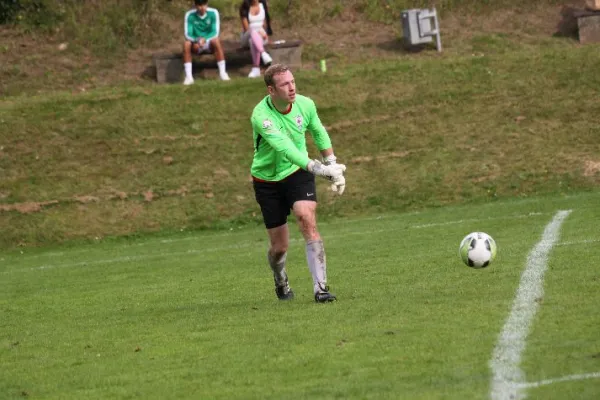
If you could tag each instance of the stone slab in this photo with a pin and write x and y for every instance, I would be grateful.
(169, 66)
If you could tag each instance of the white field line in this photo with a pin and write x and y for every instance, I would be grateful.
(248, 244)
(181, 253)
(462, 221)
(232, 233)
(570, 243)
(568, 378)
(145, 256)
(229, 233)
(507, 377)
(200, 236)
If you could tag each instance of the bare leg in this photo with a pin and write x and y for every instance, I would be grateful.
(217, 48)
(306, 215)
(187, 52)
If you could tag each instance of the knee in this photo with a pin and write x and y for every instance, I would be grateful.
(278, 252)
(256, 39)
(306, 219)
(279, 246)
(308, 227)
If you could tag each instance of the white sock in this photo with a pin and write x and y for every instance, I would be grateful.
(221, 65)
(256, 70)
(315, 256)
(278, 268)
(188, 69)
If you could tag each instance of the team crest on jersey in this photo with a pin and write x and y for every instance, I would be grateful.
(267, 124)
(299, 121)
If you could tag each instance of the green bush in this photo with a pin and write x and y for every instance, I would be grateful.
(9, 10)
(32, 15)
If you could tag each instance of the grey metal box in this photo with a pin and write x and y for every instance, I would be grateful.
(410, 27)
(419, 26)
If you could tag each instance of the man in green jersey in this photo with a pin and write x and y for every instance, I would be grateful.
(284, 176)
(201, 29)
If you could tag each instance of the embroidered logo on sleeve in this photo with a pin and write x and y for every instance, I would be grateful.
(267, 124)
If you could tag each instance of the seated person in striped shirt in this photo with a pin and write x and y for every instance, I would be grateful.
(256, 28)
(202, 35)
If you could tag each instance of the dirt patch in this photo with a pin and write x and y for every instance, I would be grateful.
(354, 123)
(591, 168)
(27, 207)
(147, 195)
(87, 199)
(393, 154)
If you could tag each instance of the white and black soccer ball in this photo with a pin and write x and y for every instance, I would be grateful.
(477, 249)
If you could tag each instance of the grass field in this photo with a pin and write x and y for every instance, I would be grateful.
(132, 254)
(414, 133)
(193, 315)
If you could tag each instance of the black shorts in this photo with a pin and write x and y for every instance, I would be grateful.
(276, 199)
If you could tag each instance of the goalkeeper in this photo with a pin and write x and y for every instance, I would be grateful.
(284, 176)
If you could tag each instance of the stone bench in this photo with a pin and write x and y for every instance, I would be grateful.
(588, 23)
(169, 66)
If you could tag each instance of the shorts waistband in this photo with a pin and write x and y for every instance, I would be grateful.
(255, 179)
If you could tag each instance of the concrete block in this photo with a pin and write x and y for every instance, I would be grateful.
(169, 68)
(288, 53)
(589, 28)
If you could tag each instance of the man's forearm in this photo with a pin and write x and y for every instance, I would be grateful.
(327, 152)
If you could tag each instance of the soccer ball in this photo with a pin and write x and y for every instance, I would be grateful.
(477, 250)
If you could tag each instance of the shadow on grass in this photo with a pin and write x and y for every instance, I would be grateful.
(567, 26)
(398, 46)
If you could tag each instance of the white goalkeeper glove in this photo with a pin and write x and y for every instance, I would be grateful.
(333, 172)
(330, 159)
(339, 184)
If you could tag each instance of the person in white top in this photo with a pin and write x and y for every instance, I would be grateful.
(256, 28)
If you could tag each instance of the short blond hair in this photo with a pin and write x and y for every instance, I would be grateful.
(273, 70)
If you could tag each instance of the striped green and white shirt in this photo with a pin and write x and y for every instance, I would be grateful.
(198, 26)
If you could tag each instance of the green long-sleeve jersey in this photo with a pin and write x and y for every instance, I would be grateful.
(205, 26)
(279, 138)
